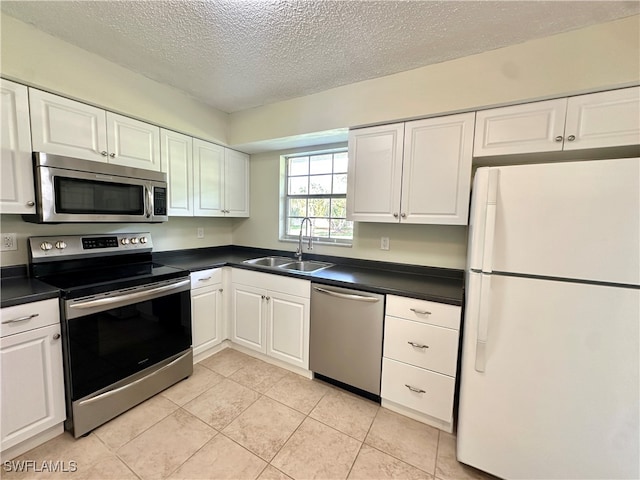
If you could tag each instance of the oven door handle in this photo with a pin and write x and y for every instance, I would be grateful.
(121, 300)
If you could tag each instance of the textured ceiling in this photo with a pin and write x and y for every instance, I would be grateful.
(241, 54)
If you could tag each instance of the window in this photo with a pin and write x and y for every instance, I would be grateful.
(316, 187)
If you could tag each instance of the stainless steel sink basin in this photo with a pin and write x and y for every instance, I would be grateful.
(286, 263)
(308, 266)
(269, 261)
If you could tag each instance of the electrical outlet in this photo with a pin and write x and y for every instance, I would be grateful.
(9, 242)
(384, 243)
(200, 232)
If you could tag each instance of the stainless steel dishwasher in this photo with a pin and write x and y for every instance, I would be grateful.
(346, 336)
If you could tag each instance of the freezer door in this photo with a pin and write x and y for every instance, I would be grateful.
(577, 220)
(558, 393)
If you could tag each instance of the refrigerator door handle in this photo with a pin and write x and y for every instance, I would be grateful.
(484, 312)
(490, 220)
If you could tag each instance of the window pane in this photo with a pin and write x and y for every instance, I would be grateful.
(341, 229)
(338, 208)
(340, 162)
(298, 185)
(319, 207)
(321, 227)
(293, 226)
(298, 166)
(297, 207)
(321, 164)
(340, 183)
(320, 184)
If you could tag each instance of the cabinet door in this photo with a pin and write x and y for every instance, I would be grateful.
(64, 127)
(208, 179)
(248, 316)
(436, 174)
(17, 193)
(133, 143)
(236, 183)
(32, 391)
(528, 128)
(375, 172)
(288, 329)
(176, 155)
(206, 317)
(604, 119)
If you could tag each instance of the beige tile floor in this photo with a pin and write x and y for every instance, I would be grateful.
(237, 417)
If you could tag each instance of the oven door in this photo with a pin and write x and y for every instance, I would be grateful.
(115, 335)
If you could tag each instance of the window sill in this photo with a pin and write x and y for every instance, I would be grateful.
(329, 243)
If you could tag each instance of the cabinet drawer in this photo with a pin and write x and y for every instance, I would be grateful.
(28, 316)
(435, 348)
(204, 278)
(424, 311)
(431, 393)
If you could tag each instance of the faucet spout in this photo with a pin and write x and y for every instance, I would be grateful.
(298, 254)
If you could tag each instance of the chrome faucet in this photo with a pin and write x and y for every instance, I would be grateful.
(298, 254)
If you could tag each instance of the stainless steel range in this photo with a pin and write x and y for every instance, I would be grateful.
(126, 321)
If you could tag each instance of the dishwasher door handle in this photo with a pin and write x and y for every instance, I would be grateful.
(348, 296)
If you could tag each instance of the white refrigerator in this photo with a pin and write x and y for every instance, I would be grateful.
(550, 358)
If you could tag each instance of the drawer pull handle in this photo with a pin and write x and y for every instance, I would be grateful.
(420, 312)
(418, 345)
(204, 279)
(414, 389)
(22, 319)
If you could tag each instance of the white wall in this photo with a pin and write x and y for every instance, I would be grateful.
(594, 58)
(175, 234)
(40, 60)
(435, 245)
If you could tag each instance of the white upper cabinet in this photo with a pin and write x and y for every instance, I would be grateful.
(374, 179)
(65, 127)
(413, 172)
(133, 143)
(605, 119)
(436, 174)
(17, 193)
(597, 120)
(177, 162)
(236, 193)
(221, 181)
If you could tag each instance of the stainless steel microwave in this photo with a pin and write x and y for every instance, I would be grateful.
(70, 190)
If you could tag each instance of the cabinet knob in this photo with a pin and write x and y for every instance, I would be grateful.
(112, 155)
(558, 138)
(571, 138)
(221, 290)
(403, 215)
(56, 336)
(30, 203)
(104, 153)
(395, 214)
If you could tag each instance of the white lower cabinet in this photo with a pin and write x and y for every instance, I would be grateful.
(420, 359)
(207, 310)
(270, 314)
(32, 383)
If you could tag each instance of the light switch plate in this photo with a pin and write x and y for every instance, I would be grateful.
(200, 232)
(384, 243)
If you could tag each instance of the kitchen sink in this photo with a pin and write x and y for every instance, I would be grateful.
(308, 266)
(269, 261)
(285, 263)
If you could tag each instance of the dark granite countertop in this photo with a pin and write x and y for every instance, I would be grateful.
(19, 290)
(427, 283)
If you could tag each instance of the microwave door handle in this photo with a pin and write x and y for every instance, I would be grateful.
(149, 202)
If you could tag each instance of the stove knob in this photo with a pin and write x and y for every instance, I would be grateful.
(143, 239)
(46, 246)
(61, 245)
(134, 240)
(124, 241)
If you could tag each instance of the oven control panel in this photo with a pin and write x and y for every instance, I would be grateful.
(48, 248)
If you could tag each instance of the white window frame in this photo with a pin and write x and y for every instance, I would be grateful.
(284, 212)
